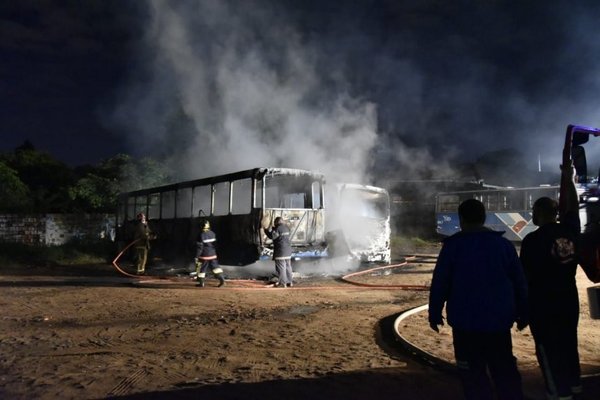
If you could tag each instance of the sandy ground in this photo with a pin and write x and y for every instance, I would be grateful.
(87, 333)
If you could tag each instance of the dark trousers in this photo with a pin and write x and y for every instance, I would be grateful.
(478, 353)
(210, 264)
(554, 330)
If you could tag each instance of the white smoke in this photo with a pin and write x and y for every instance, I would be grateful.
(227, 86)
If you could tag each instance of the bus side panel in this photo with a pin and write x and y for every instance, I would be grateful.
(172, 240)
(447, 223)
(238, 239)
(515, 225)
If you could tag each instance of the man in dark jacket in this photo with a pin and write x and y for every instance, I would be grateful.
(549, 259)
(480, 279)
(206, 256)
(282, 252)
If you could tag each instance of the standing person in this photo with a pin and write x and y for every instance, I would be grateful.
(206, 255)
(282, 252)
(142, 235)
(549, 258)
(480, 279)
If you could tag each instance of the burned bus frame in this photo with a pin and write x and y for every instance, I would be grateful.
(237, 205)
(358, 223)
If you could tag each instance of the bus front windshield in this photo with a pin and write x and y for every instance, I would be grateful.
(366, 204)
(288, 191)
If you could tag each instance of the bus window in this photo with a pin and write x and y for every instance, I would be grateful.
(511, 200)
(140, 205)
(294, 200)
(121, 211)
(286, 192)
(221, 198)
(490, 201)
(258, 200)
(380, 205)
(201, 199)
(316, 195)
(272, 196)
(364, 204)
(154, 206)
(184, 203)
(167, 205)
(242, 196)
(131, 211)
(448, 202)
(530, 200)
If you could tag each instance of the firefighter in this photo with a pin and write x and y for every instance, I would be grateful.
(282, 252)
(142, 235)
(206, 256)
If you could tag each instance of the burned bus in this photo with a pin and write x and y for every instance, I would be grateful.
(237, 205)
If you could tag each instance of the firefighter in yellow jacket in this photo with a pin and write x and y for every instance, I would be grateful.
(206, 255)
(142, 236)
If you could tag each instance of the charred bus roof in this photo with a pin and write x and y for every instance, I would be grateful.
(255, 173)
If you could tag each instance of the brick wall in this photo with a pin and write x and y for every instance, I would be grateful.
(55, 229)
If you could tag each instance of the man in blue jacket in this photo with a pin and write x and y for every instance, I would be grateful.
(479, 277)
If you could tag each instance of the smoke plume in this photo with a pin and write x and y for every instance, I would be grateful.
(360, 89)
(227, 86)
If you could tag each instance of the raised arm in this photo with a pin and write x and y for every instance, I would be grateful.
(571, 199)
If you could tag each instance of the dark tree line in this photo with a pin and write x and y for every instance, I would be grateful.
(32, 181)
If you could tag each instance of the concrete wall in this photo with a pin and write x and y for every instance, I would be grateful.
(55, 229)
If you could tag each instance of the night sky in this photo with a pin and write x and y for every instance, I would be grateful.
(406, 82)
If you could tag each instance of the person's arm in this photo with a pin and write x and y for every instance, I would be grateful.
(199, 246)
(440, 288)
(276, 233)
(520, 287)
(525, 257)
(269, 232)
(571, 199)
(273, 233)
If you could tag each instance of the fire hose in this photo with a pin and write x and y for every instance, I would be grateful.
(252, 284)
(114, 262)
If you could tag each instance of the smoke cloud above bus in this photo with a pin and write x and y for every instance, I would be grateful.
(228, 86)
(347, 88)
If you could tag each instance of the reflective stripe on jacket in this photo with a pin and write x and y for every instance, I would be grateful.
(282, 247)
(205, 245)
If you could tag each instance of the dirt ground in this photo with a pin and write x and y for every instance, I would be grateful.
(87, 332)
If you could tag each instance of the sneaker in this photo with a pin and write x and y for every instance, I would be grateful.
(290, 285)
